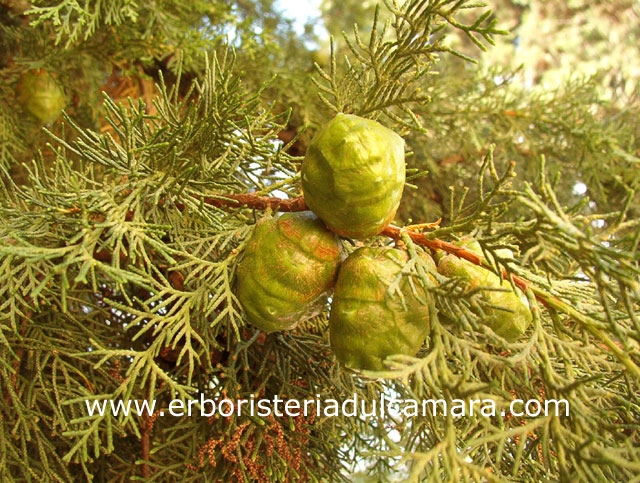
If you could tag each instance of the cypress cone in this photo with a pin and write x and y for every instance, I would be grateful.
(290, 262)
(41, 95)
(368, 323)
(510, 323)
(353, 175)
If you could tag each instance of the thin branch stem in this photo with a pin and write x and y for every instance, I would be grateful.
(254, 201)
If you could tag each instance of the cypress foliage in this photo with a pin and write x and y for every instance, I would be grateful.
(122, 224)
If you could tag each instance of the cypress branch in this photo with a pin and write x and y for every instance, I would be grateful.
(297, 204)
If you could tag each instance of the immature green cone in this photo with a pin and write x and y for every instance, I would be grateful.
(353, 175)
(367, 323)
(289, 264)
(510, 325)
(452, 266)
(41, 95)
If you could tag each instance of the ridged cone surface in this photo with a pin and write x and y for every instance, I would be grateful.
(367, 323)
(288, 266)
(353, 175)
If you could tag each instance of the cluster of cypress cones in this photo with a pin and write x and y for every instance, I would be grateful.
(353, 176)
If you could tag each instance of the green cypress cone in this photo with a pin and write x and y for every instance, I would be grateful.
(41, 95)
(367, 323)
(510, 323)
(289, 264)
(353, 175)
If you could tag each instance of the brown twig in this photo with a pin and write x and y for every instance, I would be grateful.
(253, 201)
(146, 445)
(298, 204)
(145, 442)
(421, 239)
